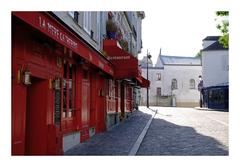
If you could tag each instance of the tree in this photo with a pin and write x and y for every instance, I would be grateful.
(223, 27)
(199, 54)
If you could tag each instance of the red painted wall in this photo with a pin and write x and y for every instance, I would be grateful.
(33, 130)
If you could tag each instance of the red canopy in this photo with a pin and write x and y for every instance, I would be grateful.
(125, 64)
(145, 83)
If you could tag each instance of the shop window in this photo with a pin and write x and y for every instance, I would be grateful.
(111, 86)
(174, 84)
(192, 84)
(68, 89)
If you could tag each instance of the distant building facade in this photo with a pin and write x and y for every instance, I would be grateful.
(174, 81)
(215, 69)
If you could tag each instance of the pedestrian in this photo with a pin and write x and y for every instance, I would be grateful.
(200, 89)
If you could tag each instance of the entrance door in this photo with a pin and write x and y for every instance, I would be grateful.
(36, 128)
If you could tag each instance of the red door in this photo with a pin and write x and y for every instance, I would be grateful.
(36, 128)
(101, 104)
(85, 109)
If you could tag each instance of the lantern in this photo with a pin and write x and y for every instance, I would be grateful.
(27, 78)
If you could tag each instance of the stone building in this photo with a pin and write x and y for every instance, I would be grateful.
(174, 81)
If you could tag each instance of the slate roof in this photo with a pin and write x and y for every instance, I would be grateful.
(215, 46)
(211, 38)
(178, 60)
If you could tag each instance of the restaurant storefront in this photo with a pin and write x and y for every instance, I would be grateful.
(59, 86)
(63, 90)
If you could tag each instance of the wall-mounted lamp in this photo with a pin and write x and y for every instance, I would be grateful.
(57, 83)
(27, 77)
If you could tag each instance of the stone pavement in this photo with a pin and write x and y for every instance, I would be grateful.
(117, 141)
(173, 131)
(186, 131)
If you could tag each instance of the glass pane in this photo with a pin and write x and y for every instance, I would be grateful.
(70, 71)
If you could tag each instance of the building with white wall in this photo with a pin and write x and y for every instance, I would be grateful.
(215, 69)
(215, 62)
(174, 81)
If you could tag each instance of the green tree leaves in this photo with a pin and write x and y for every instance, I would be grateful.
(223, 26)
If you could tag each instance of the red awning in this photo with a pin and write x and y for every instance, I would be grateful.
(125, 65)
(49, 26)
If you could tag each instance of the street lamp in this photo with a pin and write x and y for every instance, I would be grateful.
(148, 57)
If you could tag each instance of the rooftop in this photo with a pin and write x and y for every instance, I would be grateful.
(215, 46)
(178, 60)
(211, 38)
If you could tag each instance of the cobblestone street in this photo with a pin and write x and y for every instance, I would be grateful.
(186, 131)
(173, 131)
(117, 141)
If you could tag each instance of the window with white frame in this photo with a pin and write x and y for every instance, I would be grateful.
(158, 76)
(87, 22)
(192, 84)
(71, 13)
(74, 15)
(174, 84)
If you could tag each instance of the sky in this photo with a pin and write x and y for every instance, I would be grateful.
(176, 32)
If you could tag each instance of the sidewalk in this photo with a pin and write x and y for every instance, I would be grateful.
(209, 109)
(117, 141)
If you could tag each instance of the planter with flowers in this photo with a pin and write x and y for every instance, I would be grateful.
(111, 29)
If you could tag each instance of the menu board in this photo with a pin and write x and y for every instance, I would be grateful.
(57, 111)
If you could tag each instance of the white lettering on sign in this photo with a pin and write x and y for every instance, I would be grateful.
(119, 57)
(55, 32)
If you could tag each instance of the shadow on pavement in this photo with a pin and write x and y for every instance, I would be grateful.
(117, 141)
(166, 138)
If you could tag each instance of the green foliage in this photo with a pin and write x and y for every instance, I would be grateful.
(199, 54)
(224, 28)
(224, 40)
(222, 13)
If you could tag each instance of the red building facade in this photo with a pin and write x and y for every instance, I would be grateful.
(62, 88)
